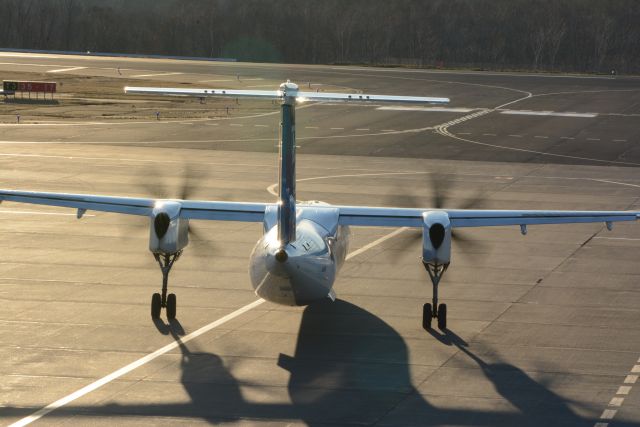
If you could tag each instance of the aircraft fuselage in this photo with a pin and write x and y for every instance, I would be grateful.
(310, 268)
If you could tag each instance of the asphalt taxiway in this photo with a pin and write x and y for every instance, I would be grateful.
(543, 328)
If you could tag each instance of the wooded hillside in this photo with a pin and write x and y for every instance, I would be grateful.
(558, 35)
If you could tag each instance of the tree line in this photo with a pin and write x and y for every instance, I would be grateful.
(548, 35)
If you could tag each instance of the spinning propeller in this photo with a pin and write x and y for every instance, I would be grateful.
(441, 192)
(190, 182)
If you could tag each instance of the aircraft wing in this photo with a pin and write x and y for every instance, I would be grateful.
(222, 211)
(401, 217)
(349, 215)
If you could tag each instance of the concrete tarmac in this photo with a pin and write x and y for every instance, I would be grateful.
(542, 329)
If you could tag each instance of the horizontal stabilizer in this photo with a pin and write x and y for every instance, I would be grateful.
(280, 94)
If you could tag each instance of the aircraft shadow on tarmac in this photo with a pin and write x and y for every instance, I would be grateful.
(349, 367)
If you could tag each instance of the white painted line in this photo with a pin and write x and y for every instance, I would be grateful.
(489, 134)
(2, 212)
(388, 130)
(516, 136)
(567, 137)
(619, 140)
(428, 109)
(311, 127)
(211, 124)
(616, 238)
(635, 369)
(363, 129)
(541, 137)
(376, 242)
(548, 113)
(156, 75)
(608, 414)
(624, 389)
(167, 348)
(134, 365)
(593, 139)
(336, 128)
(631, 379)
(616, 401)
(215, 80)
(235, 124)
(63, 70)
(261, 126)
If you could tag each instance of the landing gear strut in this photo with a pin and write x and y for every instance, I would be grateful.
(435, 311)
(158, 301)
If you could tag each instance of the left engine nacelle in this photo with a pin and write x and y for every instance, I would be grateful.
(168, 232)
(436, 238)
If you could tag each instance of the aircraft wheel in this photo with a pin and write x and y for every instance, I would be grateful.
(427, 316)
(442, 317)
(171, 306)
(156, 305)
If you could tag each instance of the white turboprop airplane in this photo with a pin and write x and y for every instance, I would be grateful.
(304, 245)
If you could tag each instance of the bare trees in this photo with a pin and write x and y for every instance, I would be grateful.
(568, 35)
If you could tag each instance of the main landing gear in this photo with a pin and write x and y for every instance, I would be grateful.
(435, 311)
(158, 301)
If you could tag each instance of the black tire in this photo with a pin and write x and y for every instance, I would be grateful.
(171, 306)
(156, 305)
(427, 316)
(442, 317)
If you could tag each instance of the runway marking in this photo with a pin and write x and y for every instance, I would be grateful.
(428, 109)
(156, 75)
(548, 113)
(514, 136)
(567, 137)
(618, 400)
(593, 139)
(261, 126)
(63, 70)
(541, 137)
(236, 124)
(444, 131)
(169, 347)
(215, 80)
(616, 238)
(363, 129)
(489, 134)
(311, 127)
(388, 130)
(608, 414)
(619, 140)
(336, 128)
(624, 390)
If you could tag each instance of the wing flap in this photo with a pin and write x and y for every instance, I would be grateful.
(223, 211)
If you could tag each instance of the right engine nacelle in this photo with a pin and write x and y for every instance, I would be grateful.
(168, 233)
(436, 238)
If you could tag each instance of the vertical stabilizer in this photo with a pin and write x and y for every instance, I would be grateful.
(287, 184)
